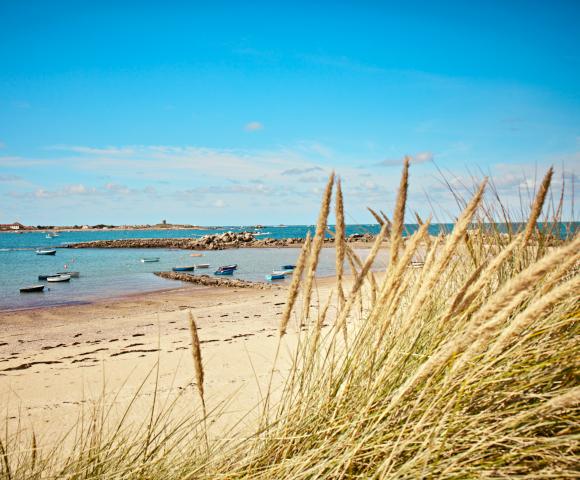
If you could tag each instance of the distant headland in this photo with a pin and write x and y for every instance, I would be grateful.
(163, 225)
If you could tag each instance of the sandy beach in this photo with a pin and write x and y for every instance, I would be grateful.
(57, 362)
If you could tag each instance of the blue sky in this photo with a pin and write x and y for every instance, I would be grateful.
(235, 113)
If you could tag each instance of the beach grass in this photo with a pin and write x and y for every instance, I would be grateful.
(464, 365)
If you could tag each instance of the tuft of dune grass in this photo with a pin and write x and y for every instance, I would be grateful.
(464, 368)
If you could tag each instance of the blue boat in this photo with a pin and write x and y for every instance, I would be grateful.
(183, 269)
(275, 277)
(287, 267)
(224, 272)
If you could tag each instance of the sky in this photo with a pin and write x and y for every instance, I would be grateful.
(235, 113)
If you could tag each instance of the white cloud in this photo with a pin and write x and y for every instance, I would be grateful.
(10, 178)
(253, 126)
(300, 171)
(219, 203)
(421, 157)
(93, 150)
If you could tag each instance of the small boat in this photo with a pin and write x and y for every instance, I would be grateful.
(150, 259)
(46, 251)
(288, 267)
(224, 272)
(228, 267)
(282, 272)
(417, 264)
(49, 236)
(44, 277)
(59, 278)
(275, 277)
(32, 288)
(72, 274)
(188, 268)
(196, 254)
(202, 265)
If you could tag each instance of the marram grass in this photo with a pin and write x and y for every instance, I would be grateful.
(465, 368)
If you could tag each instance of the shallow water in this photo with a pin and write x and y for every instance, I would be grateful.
(114, 272)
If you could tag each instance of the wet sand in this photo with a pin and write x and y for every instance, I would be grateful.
(55, 362)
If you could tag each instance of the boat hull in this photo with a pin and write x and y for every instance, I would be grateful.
(275, 277)
(224, 272)
(72, 274)
(228, 267)
(183, 269)
(46, 252)
(44, 277)
(150, 260)
(32, 289)
(59, 278)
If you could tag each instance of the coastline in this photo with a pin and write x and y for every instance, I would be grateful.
(53, 362)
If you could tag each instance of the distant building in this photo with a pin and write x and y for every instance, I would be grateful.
(12, 226)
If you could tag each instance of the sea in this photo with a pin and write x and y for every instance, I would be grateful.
(109, 273)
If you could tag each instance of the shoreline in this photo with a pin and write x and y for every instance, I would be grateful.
(56, 362)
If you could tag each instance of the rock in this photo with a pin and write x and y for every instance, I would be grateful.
(208, 281)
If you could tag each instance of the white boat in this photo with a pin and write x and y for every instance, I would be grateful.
(282, 272)
(417, 264)
(58, 278)
(202, 265)
(46, 251)
(150, 259)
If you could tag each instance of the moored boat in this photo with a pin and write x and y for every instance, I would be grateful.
(275, 277)
(46, 251)
(282, 272)
(59, 278)
(229, 267)
(288, 267)
(32, 288)
(72, 274)
(44, 277)
(187, 268)
(224, 272)
(149, 259)
(196, 254)
(202, 265)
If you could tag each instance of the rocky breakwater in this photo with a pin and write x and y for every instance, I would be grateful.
(360, 237)
(207, 281)
(219, 241)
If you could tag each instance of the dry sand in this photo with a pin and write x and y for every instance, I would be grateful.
(56, 362)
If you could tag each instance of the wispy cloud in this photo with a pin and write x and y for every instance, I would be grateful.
(10, 178)
(300, 171)
(253, 127)
(421, 157)
(93, 150)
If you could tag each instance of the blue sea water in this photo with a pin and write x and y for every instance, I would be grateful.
(114, 272)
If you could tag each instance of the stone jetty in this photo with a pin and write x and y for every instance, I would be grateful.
(207, 281)
(220, 241)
